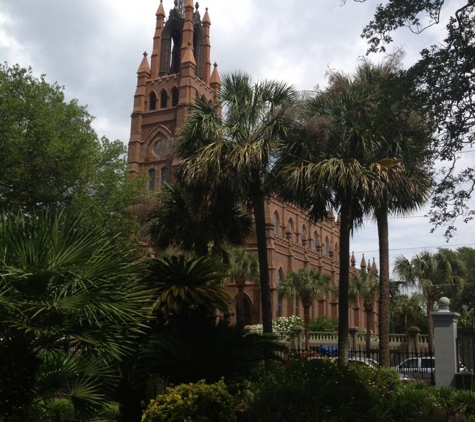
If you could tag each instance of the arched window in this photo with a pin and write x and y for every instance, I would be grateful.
(290, 229)
(151, 179)
(152, 101)
(314, 242)
(303, 236)
(336, 251)
(165, 175)
(175, 96)
(297, 306)
(163, 99)
(276, 223)
(280, 277)
(326, 245)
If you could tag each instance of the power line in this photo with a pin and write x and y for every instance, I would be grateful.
(419, 247)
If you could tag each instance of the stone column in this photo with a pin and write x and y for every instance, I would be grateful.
(445, 345)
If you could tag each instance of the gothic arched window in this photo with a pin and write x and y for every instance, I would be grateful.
(276, 223)
(326, 247)
(175, 96)
(303, 235)
(165, 175)
(314, 241)
(163, 99)
(151, 179)
(152, 101)
(279, 278)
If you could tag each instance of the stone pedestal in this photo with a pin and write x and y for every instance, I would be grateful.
(445, 339)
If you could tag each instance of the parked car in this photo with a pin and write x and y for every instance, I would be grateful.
(419, 368)
(364, 361)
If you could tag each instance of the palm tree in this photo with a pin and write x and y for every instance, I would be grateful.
(183, 218)
(403, 133)
(236, 141)
(242, 266)
(306, 285)
(182, 286)
(407, 307)
(365, 286)
(331, 162)
(71, 305)
(431, 271)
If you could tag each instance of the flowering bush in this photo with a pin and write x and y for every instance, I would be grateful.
(198, 402)
(282, 325)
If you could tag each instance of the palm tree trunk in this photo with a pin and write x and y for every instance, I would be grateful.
(306, 321)
(343, 323)
(260, 225)
(369, 323)
(384, 320)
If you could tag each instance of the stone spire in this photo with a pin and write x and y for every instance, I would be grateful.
(363, 263)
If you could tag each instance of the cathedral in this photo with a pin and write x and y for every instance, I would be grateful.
(178, 71)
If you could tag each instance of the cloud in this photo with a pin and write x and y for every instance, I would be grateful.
(94, 47)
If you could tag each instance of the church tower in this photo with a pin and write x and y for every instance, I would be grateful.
(179, 71)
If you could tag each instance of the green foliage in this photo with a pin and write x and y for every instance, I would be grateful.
(70, 303)
(324, 323)
(443, 82)
(197, 402)
(182, 284)
(50, 156)
(304, 390)
(201, 348)
(236, 141)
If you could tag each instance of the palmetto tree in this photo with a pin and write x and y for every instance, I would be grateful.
(201, 219)
(305, 285)
(331, 162)
(242, 266)
(236, 141)
(431, 271)
(184, 285)
(365, 286)
(68, 297)
(402, 133)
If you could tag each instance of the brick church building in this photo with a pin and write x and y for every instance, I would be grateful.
(178, 71)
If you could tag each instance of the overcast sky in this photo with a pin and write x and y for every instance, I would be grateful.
(94, 47)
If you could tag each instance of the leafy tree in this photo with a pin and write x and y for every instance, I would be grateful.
(443, 79)
(50, 157)
(306, 285)
(433, 272)
(70, 303)
(236, 141)
(331, 161)
(365, 286)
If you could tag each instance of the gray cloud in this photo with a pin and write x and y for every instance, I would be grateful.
(94, 47)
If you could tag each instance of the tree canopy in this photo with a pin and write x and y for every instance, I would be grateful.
(443, 79)
(51, 157)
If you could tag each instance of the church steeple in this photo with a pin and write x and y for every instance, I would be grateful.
(179, 72)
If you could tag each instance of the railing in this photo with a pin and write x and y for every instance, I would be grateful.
(412, 342)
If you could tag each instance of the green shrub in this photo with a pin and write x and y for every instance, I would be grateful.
(463, 401)
(323, 323)
(199, 402)
(309, 390)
